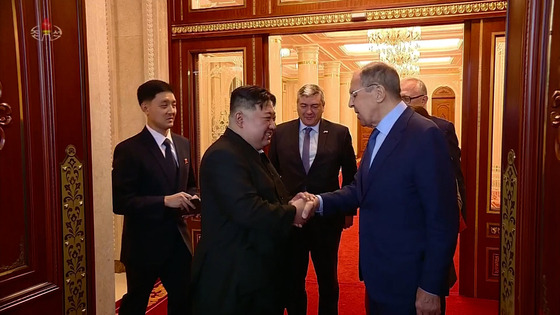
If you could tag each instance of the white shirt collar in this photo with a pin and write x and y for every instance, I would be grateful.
(159, 137)
(303, 126)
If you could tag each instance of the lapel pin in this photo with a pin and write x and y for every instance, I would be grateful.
(325, 131)
(186, 161)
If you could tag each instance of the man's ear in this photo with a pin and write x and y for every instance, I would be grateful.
(239, 119)
(144, 106)
(380, 93)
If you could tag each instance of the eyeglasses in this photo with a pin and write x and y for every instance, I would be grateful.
(408, 99)
(354, 93)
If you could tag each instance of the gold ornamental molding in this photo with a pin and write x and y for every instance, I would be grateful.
(74, 233)
(442, 10)
(509, 213)
(18, 264)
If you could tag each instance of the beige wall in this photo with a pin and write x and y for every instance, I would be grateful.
(127, 45)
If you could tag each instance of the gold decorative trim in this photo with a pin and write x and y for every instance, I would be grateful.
(437, 10)
(74, 235)
(254, 47)
(453, 9)
(18, 264)
(492, 264)
(5, 119)
(492, 230)
(307, 62)
(509, 213)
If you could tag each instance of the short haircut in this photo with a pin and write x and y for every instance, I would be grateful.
(420, 86)
(149, 89)
(311, 90)
(249, 96)
(383, 74)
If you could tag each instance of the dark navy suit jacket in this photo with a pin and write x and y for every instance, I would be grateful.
(408, 212)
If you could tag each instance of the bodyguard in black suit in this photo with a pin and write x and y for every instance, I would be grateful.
(415, 94)
(330, 149)
(153, 185)
(238, 267)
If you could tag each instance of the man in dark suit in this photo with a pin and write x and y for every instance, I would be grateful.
(407, 199)
(415, 93)
(328, 148)
(153, 186)
(238, 267)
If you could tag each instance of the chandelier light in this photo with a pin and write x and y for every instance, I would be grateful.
(398, 47)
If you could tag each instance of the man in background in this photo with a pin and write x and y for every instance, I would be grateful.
(239, 265)
(153, 187)
(415, 93)
(309, 153)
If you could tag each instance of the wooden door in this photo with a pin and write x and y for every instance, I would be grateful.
(209, 70)
(45, 238)
(481, 155)
(549, 275)
(443, 103)
(530, 234)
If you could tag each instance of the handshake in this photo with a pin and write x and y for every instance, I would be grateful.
(306, 204)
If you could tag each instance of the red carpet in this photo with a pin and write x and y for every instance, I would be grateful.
(352, 291)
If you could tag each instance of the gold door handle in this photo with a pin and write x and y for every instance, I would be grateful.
(5, 119)
(556, 99)
(555, 117)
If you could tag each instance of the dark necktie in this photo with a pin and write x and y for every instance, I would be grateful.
(170, 160)
(366, 158)
(305, 150)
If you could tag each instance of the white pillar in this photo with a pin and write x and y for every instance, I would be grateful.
(275, 70)
(332, 91)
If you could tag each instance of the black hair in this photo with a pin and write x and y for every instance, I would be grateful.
(249, 96)
(149, 89)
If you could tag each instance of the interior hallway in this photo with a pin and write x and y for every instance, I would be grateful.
(352, 291)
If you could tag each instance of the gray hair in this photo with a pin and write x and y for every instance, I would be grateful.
(311, 90)
(383, 74)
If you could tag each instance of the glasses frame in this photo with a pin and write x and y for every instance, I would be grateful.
(354, 94)
(410, 99)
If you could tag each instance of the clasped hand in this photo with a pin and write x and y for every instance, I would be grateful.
(182, 201)
(305, 204)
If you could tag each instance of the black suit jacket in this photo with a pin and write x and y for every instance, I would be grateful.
(334, 151)
(245, 224)
(140, 183)
(449, 132)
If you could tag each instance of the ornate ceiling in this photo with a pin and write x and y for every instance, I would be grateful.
(441, 50)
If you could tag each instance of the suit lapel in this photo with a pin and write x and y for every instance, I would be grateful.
(321, 140)
(155, 151)
(389, 144)
(293, 133)
(183, 160)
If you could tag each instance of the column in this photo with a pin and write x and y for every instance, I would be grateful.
(332, 91)
(347, 116)
(308, 60)
(275, 72)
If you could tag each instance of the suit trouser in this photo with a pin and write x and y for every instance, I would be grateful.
(321, 238)
(174, 273)
(368, 305)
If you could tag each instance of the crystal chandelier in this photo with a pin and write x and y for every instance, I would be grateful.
(398, 47)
